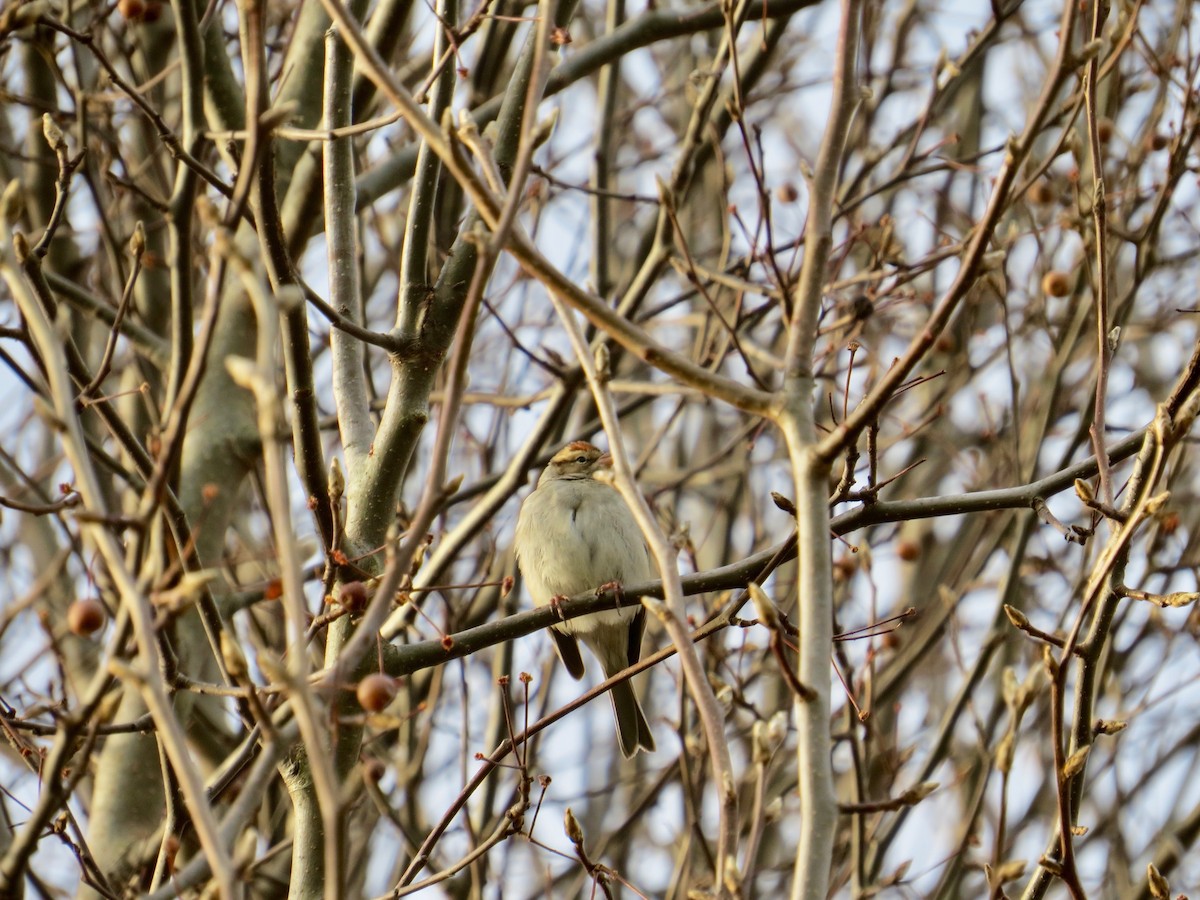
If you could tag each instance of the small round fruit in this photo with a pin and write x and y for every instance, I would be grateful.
(787, 193)
(1056, 284)
(353, 597)
(132, 10)
(1041, 193)
(376, 691)
(1105, 130)
(908, 550)
(86, 617)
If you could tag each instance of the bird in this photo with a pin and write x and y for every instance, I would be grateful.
(575, 533)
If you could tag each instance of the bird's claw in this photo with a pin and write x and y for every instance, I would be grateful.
(614, 586)
(556, 603)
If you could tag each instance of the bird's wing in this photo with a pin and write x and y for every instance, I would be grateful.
(568, 651)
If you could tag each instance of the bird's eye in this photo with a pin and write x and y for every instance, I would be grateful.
(581, 459)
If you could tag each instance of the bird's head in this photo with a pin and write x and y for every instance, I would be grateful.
(578, 459)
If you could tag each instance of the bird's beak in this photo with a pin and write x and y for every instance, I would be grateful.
(603, 470)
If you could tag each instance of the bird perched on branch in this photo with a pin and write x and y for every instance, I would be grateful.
(574, 534)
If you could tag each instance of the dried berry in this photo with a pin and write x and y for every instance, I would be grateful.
(1056, 284)
(353, 597)
(85, 617)
(376, 691)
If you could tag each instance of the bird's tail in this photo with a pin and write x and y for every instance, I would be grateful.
(633, 731)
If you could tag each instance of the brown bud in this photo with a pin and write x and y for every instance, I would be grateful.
(1084, 491)
(1159, 888)
(20, 245)
(1004, 753)
(231, 655)
(1053, 866)
(917, 793)
(1049, 662)
(1018, 618)
(783, 503)
(12, 203)
(337, 481)
(768, 614)
(1075, 762)
(53, 134)
(572, 828)
(137, 240)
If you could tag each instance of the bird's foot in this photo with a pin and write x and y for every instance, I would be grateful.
(556, 603)
(616, 587)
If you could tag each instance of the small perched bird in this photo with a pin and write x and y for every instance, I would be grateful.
(576, 534)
